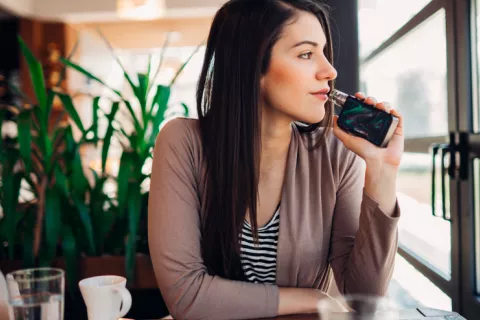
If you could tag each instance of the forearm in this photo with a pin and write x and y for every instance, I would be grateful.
(299, 300)
(381, 185)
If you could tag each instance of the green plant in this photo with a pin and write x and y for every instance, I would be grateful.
(63, 214)
(137, 147)
(67, 215)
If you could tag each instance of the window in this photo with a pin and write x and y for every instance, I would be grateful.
(388, 14)
(410, 289)
(403, 60)
(412, 75)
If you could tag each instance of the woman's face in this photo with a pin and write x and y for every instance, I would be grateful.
(295, 85)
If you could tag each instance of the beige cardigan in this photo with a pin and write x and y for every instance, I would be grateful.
(327, 223)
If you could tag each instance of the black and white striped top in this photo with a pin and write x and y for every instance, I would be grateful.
(259, 263)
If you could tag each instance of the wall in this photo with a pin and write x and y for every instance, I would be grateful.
(18, 7)
(125, 35)
(345, 43)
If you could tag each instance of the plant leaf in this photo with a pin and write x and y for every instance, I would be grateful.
(53, 223)
(124, 174)
(25, 139)
(48, 152)
(86, 221)
(136, 123)
(39, 124)
(28, 257)
(95, 106)
(70, 55)
(80, 182)
(71, 254)
(149, 66)
(68, 105)
(161, 99)
(135, 89)
(102, 219)
(142, 90)
(134, 208)
(160, 63)
(185, 110)
(19, 93)
(108, 135)
(183, 66)
(61, 181)
(11, 189)
(36, 75)
(86, 73)
(50, 98)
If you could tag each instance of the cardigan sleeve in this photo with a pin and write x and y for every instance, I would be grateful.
(364, 239)
(174, 239)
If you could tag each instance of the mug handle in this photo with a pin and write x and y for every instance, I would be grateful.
(126, 301)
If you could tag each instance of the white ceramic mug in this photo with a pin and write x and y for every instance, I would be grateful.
(103, 296)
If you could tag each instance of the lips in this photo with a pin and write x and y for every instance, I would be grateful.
(322, 94)
(323, 91)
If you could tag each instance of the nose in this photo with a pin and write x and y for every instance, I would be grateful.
(326, 71)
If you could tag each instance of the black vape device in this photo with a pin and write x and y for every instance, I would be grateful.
(363, 120)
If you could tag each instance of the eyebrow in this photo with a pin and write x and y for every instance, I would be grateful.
(312, 43)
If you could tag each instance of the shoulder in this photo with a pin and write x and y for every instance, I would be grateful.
(179, 129)
(180, 133)
(179, 138)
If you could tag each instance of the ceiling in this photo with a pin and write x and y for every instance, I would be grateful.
(86, 11)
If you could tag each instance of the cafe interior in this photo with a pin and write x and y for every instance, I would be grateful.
(75, 180)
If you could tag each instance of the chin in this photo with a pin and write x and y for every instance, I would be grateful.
(311, 118)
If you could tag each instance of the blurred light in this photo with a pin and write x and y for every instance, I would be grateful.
(140, 9)
(9, 129)
(111, 166)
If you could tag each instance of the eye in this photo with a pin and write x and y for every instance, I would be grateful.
(306, 55)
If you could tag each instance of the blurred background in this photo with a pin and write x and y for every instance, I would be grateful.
(112, 72)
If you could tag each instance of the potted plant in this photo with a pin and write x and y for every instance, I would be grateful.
(44, 161)
(70, 221)
(137, 147)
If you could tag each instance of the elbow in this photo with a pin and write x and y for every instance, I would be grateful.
(179, 310)
(373, 282)
(185, 301)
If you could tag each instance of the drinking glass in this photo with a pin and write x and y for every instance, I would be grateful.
(357, 307)
(36, 294)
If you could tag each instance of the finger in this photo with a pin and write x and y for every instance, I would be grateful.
(385, 106)
(397, 114)
(360, 95)
(371, 100)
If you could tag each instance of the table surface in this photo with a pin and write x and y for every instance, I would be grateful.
(409, 314)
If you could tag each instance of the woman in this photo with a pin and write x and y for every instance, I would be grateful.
(3, 298)
(253, 205)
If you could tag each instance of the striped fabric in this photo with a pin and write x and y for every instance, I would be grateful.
(259, 263)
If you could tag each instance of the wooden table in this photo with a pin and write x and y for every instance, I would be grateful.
(410, 314)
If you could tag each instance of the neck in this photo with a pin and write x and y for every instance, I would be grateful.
(276, 136)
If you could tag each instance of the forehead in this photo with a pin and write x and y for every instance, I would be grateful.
(305, 26)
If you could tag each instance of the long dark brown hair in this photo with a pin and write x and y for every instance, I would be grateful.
(238, 53)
